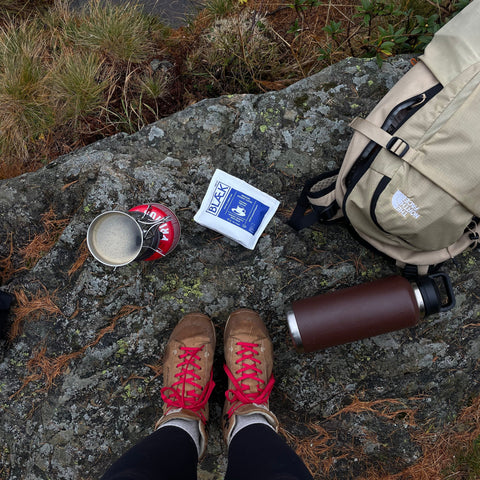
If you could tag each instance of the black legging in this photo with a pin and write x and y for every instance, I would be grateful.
(256, 453)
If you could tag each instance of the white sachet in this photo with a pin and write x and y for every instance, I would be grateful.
(235, 209)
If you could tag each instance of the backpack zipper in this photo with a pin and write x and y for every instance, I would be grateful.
(382, 185)
(394, 120)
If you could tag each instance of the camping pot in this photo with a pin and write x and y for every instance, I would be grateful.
(145, 232)
(366, 310)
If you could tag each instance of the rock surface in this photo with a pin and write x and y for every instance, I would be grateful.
(80, 383)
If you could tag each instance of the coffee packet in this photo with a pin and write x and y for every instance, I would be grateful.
(236, 209)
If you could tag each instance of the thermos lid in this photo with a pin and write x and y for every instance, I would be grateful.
(419, 300)
(432, 298)
(294, 331)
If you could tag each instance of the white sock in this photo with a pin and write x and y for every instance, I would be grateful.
(189, 426)
(242, 421)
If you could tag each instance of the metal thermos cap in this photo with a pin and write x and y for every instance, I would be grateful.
(294, 331)
(419, 299)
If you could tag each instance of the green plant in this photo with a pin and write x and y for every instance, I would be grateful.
(238, 54)
(386, 42)
(122, 33)
(25, 112)
(369, 10)
(219, 8)
(334, 29)
(424, 29)
(467, 462)
(76, 87)
(303, 5)
(139, 102)
(154, 86)
(382, 28)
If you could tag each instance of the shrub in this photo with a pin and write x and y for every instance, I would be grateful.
(77, 89)
(238, 54)
(24, 107)
(122, 33)
(382, 28)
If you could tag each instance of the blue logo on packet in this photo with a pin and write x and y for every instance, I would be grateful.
(237, 208)
(219, 195)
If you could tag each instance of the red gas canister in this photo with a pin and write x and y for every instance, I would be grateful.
(167, 232)
(145, 232)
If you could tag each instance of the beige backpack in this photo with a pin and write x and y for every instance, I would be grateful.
(410, 180)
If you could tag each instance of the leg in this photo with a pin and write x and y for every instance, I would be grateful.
(172, 451)
(188, 375)
(258, 453)
(255, 451)
(169, 453)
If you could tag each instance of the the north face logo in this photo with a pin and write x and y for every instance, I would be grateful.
(403, 205)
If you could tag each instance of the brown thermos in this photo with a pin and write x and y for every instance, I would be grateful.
(366, 310)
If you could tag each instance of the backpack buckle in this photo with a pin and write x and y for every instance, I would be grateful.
(398, 146)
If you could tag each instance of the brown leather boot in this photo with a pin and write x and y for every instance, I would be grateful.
(249, 364)
(187, 372)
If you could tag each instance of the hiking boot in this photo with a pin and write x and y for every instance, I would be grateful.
(187, 372)
(248, 365)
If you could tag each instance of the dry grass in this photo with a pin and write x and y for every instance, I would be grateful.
(24, 109)
(241, 53)
(31, 308)
(320, 450)
(77, 87)
(43, 242)
(82, 256)
(62, 76)
(41, 367)
(453, 453)
(315, 449)
(23, 8)
(120, 33)
(450, 454)
(69, 78)
(7, 268)
(35, 249)
(157, 369)
(387, 408)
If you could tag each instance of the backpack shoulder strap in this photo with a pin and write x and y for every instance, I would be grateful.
(395, 145)
(317, 202)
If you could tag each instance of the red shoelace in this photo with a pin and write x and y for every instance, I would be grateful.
(179, 395)
(249, 370)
